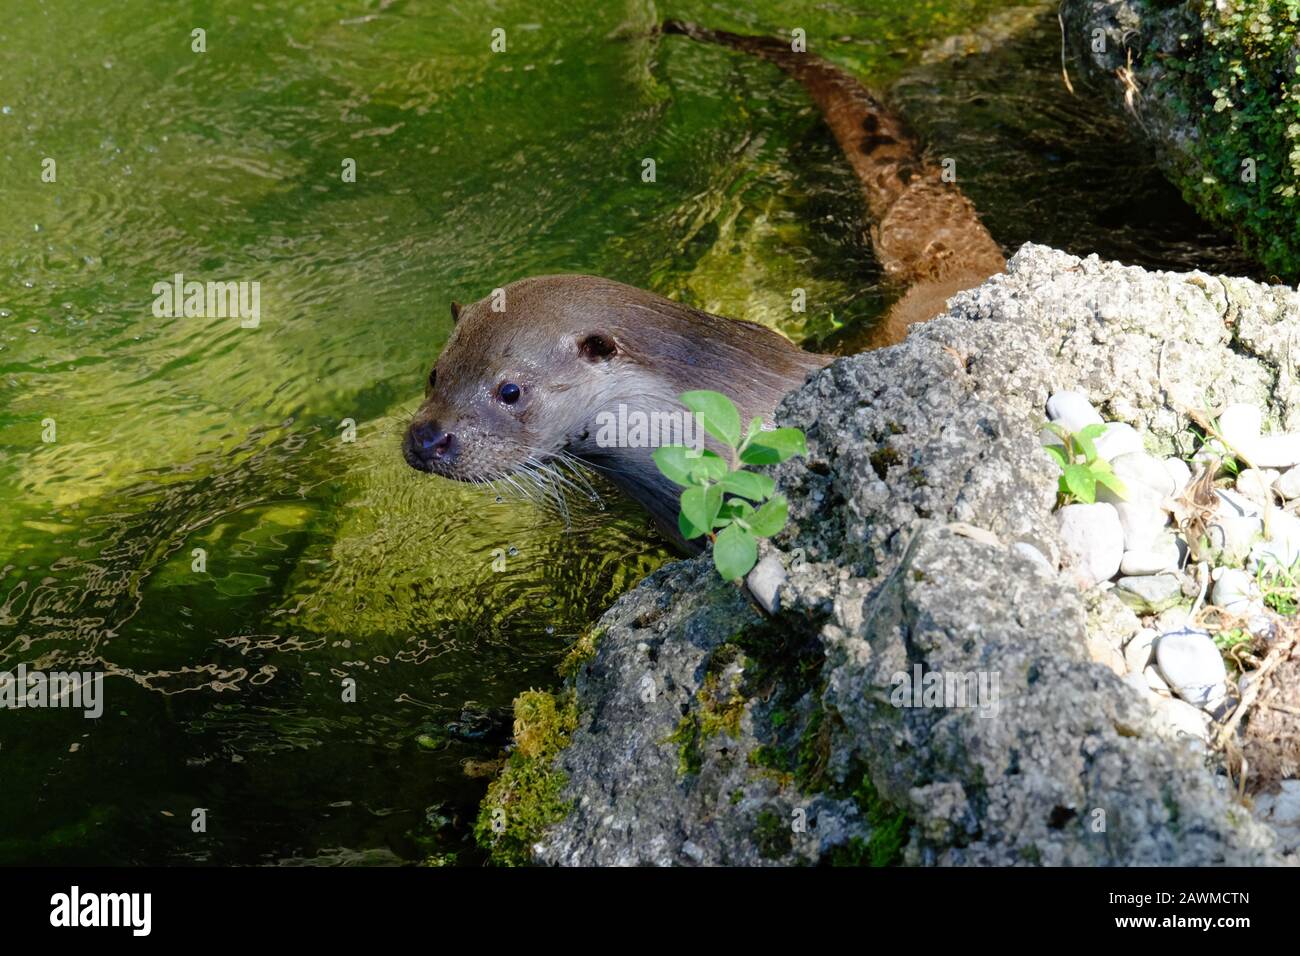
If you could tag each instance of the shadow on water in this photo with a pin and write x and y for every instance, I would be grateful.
(201, 532)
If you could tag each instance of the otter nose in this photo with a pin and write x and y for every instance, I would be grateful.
(427, 445)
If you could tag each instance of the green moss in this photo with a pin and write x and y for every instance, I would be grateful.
(772, 835)
(527, 796)
(1238, 83)
(719, 710)
(582, 651)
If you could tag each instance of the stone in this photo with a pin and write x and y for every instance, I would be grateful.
(1092, 542)
(1239, 424)
(1184, 719)
(1155, 681)
(1141, 522)
(1138, 650)
(1174, 618)
(1273, 451)
(1230, 539)
(1256, 484)
(1039, 560)
(1072, 411)
(1150, 594)
(764, 581)
(1119, 438)
(1233, 504)
(886, 585)
(1288, 485)
(1191, 664)
(1234, 590)
(1138, 470)
(1165, 552)
(1179, 472)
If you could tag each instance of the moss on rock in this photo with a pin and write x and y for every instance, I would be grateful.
(527, 797)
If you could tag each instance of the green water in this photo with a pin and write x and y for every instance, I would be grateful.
(330, 561)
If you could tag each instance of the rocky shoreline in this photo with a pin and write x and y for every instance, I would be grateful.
(933, 690)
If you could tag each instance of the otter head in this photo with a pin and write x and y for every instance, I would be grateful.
(520, 379)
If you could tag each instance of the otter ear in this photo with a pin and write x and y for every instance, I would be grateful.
(597, 347)
(455, 312)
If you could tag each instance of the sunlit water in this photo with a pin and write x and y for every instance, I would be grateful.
(327, 561)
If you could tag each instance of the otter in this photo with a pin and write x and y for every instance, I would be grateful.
(528, 372)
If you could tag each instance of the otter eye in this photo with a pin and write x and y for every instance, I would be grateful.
(508, 392)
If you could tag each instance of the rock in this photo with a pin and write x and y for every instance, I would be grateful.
(1174, 618)
(1072, 411)
(1288, 485)
(1092, 542)
(1191, 664)
(1231, 539)
(1234, 590)
(1102, 649)
(1150, 594)
(1256, 484)
(1274, 553)
(1039, 560)
(659, 760)
(1138, 650)
(1141, 522)
(1273, 451)
(1235, 505)
(1185, 720)
(1140, 471)
(1165, 553)
(764, 582)
(1179, 473)
(1156, 682)
(1239, 425)
(1281, 811)
(1119, 438)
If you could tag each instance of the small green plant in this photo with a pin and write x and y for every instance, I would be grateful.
(720, 500)
(1081, 469)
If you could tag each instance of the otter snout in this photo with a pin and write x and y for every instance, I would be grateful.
(428, 447)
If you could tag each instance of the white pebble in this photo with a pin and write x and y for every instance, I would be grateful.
(1072, 411)
(1256, 484)
(1138, 470)
(1234, 504)
(1164, 553)
(1027, 550)
(1180, 473)
(1288, 486)
(765, 582)
(1137, 652)
(1234, 590)
(1239, 425)
(1141, 521)
(1119, 438)
(1092, 542)
(1191, 664)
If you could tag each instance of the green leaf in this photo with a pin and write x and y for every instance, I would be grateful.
(734, 552)
(755, 426)
(748, 484)
(768, 448)
(1058, 453)
(687, 529)
(721, 419)
(1057, 430)
(707, 466)
(733, 509)
(1111, 481)
(1081, 482)
(1093, 431)
(770, 518)
(699, 507)
(676, 462)
(1085, 445)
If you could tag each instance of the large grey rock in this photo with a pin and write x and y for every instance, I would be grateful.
(907, 449)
